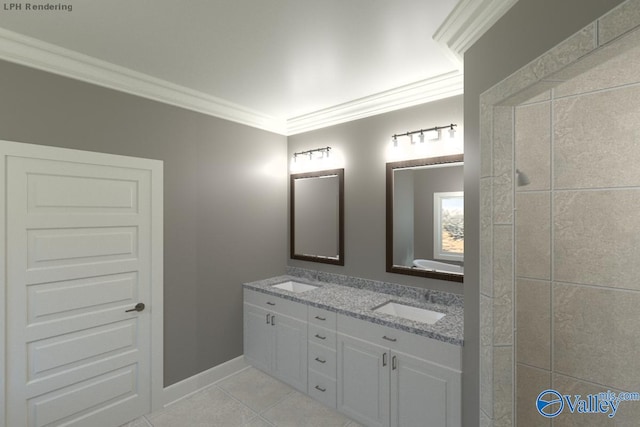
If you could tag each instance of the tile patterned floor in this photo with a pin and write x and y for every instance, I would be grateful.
(249, 398)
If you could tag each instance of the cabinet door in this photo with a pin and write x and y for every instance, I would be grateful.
(290, 354)
(423, 394)
(258, 337)
(363, 381)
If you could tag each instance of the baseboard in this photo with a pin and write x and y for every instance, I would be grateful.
(191, 385)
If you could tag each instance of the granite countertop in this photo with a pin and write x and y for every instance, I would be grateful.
(359, 303)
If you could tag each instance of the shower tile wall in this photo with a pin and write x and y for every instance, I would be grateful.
(577, 242)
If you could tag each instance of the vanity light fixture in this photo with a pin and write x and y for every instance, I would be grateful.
(321, 153)
(433, 134)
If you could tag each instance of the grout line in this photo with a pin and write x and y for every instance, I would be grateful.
(599, 90)
(598, 287)
(513, 269)
(552, 248)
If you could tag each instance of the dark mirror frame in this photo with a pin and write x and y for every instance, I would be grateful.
(410, 164)
(292, 186)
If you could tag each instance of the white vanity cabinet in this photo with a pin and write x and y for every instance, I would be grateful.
(322, 356)
(275, 337)
(387, 377)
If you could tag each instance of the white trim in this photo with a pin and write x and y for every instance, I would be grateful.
(48, 57)
(8, 148)
(466, 23)
(35, 53)
(432, 89)
(195, 383)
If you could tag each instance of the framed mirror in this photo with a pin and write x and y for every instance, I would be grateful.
(425, 217)
(317, 216)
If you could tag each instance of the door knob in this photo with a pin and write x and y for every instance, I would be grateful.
(139, 307)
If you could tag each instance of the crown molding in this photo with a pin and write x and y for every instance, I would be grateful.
(35, 53)
(433, 89)
(44, 56)
(466, 23)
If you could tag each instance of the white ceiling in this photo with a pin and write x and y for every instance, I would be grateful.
(280, 58)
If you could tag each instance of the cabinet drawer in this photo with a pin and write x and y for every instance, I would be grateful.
(440, 352)
(276, 304)
(321, 317)
(322, 336)
(322, 388)
(322, 360)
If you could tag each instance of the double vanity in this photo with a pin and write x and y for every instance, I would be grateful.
(382, 354)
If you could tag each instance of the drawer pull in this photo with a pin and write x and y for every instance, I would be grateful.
(321, 318)
(271, 303)
(384, 359)
(320, 388)
(394, 365)
(320, 360)
(389, 339)
(321, 337)
(268, 315)
(273, 320)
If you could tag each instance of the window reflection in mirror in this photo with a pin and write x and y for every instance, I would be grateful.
(425, 218)
(317, 216)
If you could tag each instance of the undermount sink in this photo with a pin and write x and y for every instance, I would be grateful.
(410, 313)
(295, 287)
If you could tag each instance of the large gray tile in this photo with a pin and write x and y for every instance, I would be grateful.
(620, 20)
(486, 136)
(623, 69)
(486, 379)
(533, 323)
(571, 386)
(596, 238)
(596, 140)
(503, 386)
(486, 237)
(485, 421)
(533, 235)
(596, 335)
(138, 422)
(255, 389)
(503, 285)
(300, 410)
(259, 422)
(503, 165)
(211, 407)
(530, 382)
(533, 145)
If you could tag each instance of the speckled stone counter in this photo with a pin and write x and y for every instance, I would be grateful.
(355, 297)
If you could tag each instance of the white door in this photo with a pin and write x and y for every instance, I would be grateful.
(78, 260)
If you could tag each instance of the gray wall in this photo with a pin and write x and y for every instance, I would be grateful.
(364, 143)
(224, 198)
(528, 30)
